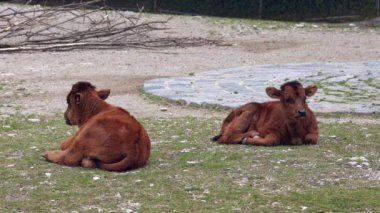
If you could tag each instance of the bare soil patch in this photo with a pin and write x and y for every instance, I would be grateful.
(265, 46)
(45, 77)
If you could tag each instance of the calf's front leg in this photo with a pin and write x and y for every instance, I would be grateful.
(312, 138)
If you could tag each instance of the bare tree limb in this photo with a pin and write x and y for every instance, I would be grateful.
(82, 26)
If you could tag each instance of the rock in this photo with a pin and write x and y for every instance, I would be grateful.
(192, 162)
(118, 195)
(12, 135)
(366, 164)
(7, 74)
(353, 163)
(300, 25)
(354, 158)
(34, 120)
(96, 177)
(186, 150)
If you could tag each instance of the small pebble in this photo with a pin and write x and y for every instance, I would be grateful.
(365, 164)
(353, 163)
(34, 120)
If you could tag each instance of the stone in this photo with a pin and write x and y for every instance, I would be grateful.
(343, 87)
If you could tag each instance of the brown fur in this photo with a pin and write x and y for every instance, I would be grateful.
(288, 121)
(108, 137)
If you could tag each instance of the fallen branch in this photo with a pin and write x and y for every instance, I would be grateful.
(75, 26)
(150, 44)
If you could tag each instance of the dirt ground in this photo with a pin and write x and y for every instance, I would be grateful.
(37, 82)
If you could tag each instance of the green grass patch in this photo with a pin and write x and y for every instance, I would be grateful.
(334, 198)
(2, 86)
(353, 115)
(153, 98)
(246, 25)
(370, 82)
(188, 173)
(166, 102)
(257, 23)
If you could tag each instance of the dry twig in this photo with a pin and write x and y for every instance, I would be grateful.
(76, 26)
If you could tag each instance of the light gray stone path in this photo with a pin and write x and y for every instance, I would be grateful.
(343, 87)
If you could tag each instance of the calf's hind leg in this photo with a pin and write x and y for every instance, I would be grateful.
(238, 124)
(237, 138)
(68, 157)
(88, 163)
(269, 140)
(66, 143)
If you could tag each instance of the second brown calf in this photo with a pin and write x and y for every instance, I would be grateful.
(288, 121)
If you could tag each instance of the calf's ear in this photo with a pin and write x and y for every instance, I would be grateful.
(104, 93)
(273, 92)
(311, 90)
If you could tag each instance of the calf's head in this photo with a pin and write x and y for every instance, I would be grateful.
(83, 101)
(293, 96)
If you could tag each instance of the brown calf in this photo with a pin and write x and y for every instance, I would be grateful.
(288, 121)
(108, 137)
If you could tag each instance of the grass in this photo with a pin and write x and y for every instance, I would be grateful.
(2, 86)
(257, 23)
(250, 25)
(187, 173)
(370, 82)
(353, 115)
(343, 90)
(152, 98)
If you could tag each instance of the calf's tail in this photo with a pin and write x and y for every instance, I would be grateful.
(132, 160)
(216, 137)
(128, 162)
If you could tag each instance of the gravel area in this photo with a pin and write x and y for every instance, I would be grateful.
(37, 82)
